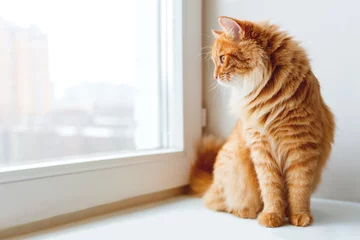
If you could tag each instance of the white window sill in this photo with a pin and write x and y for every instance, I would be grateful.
(186, 218)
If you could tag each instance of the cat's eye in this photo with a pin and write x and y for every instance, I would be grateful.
(222, 58)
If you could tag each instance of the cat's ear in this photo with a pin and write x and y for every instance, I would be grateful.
(231, 28)
(216, 33)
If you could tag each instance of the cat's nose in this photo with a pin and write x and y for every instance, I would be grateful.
(216, 76)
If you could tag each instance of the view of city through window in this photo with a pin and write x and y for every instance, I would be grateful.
(73, 80)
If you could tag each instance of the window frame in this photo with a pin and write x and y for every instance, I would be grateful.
(39, 191)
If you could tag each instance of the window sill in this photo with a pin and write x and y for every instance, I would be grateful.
(81, 164)
(61, 192)
(182, 217)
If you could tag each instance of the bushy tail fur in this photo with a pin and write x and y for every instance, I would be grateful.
(201, 176)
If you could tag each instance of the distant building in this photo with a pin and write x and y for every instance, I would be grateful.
(34, 90)
(7, 89)
(26, 88)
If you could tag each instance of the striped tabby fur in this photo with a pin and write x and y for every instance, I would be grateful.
(283, 138)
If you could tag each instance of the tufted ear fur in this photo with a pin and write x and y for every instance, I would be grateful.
(216, 33)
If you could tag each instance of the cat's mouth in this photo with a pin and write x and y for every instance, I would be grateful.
(224, 81)
(229, 80)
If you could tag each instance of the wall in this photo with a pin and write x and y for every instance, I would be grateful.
(330, 31)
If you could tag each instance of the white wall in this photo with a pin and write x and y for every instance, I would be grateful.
(330, 31)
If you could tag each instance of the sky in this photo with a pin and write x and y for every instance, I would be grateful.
(86, 38)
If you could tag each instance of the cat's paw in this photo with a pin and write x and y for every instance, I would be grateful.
(301, 219)
(215, 203)
(270, 219)
(216, 206)
(245, 213)
(213, 199)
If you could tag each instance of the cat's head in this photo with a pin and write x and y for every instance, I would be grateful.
(237, 53)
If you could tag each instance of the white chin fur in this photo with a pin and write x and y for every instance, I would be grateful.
(224, 83)
(241, 86)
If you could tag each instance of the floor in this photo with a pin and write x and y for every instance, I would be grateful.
(186, 218)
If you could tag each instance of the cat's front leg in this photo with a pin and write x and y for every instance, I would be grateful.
(300, 170)
(270, 181)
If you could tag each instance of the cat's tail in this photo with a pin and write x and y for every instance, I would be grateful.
(201, 176)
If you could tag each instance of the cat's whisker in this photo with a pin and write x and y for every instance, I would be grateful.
(214, 83)
(213, 86)
(206, 47)
(205, 54)
(217, 91)
(208, 36)
(206, 58)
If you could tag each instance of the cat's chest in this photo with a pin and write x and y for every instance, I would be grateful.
(254, 137)
(250, 119)
(240, 106)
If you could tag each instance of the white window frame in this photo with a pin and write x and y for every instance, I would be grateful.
(39, 191)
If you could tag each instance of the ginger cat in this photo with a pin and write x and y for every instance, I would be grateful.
(275, 155)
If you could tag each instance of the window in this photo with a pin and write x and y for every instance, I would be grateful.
(86, 83)
(100, 101)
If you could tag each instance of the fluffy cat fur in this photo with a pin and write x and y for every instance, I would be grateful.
(273, 159)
